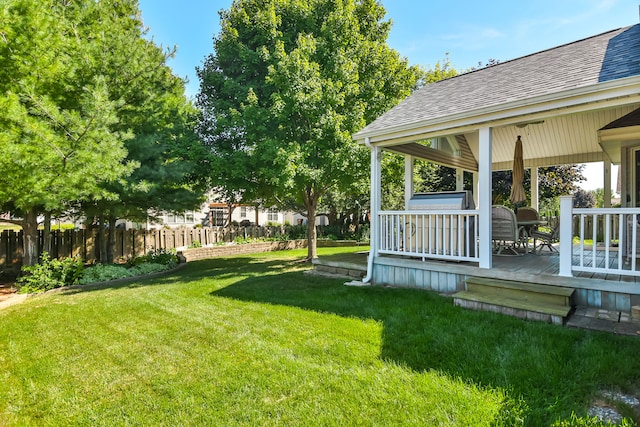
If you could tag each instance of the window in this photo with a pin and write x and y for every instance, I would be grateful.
(243, 211)
(272, 214)
(217, 217)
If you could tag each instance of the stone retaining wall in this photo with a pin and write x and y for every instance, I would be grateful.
(239, 249)
(342, 271)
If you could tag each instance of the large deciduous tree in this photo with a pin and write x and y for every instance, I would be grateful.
(553, 181)
(288, 83)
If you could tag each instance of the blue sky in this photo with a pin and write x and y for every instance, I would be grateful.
(423, 32)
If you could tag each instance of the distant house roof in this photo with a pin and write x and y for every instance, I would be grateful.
(601, 58)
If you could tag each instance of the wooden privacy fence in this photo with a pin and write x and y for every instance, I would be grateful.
(129, 243)
(600, 226)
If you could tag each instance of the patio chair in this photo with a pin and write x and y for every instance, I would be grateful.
(527, 214)
(504, 226)
(547, 239)
(523, 215)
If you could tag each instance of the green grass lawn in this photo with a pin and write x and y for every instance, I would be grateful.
(252, 341)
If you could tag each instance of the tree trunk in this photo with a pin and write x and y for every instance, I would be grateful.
(111, 239)
(312, 236)
(356, 217)
(46, 234)
(30, 242)
(102, 240)
(257, 215)
(230, 209)
(311, 202)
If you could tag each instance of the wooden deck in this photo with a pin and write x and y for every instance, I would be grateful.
(608, 291)
(544, 264)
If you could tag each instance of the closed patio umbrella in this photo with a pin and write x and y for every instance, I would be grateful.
(517, 189)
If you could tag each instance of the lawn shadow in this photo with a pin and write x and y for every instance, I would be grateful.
(549, 366)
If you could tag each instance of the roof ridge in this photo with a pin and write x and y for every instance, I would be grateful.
(537, 53)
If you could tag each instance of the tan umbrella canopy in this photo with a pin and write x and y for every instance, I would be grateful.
(517, 189)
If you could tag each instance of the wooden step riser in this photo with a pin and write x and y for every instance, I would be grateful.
(533, 297)
(525, 286)
(514, 312)
(561, 310)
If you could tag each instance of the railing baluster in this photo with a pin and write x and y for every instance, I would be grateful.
(429, 234)
(634, 241)
(607, 238)
(619, 224)
(581, 252)
(422, 234)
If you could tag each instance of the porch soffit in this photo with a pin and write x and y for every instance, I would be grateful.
(465, 160)
(570, 138)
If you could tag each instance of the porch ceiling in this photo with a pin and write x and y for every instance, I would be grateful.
(558, 140)
(547, 141)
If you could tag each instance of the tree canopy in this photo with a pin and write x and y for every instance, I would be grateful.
(287, 85)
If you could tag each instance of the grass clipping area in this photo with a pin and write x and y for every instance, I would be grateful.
(253, 341)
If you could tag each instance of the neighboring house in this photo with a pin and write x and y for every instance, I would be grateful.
(575, 103)
(244, 214)
(218, 213)
(215, 214)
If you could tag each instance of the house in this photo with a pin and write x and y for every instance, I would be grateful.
(214, 213)
(574, 103)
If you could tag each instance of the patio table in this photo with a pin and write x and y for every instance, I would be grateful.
(524, 230)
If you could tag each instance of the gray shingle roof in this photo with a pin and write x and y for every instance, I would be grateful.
(604, 57)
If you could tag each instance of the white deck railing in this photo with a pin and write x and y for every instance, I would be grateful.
(603, 241)
(607, 241)
(434, 234)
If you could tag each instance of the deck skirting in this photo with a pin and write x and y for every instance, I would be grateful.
(448, 278)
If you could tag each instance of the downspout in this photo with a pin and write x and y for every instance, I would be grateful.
(373, 223)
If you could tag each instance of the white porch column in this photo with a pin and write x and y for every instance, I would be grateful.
(459, 179)
(408, 180)
(535, 202)
(376, 197)
(485, 197)
(607, 182)
(566, 235)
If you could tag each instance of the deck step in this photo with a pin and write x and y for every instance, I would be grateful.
(531, 292)
(524, 300)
